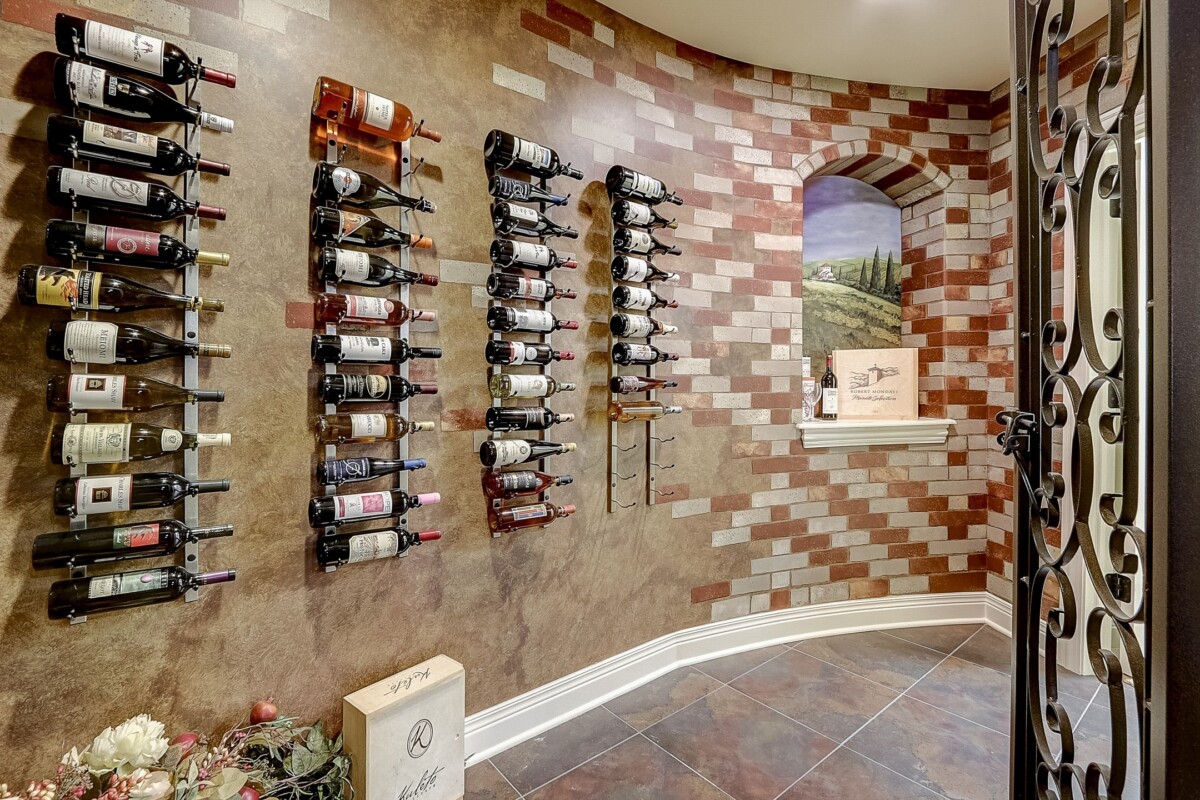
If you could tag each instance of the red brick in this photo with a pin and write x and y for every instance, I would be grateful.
(812, 130)
(849, 101)
(695, 55)
(656, 151)
(889, 535)
(655, 77)
(805, 544)
(928, 565)
(749, 383)
(711, 417)
(713, 591)
(766, 466)
(903, 138)
(744, 223)
(775, 530)
(908, 550)
(748, 189)
(733, 100)
(858, 505)
(908, 489)
(715, 149)
(837, 555)
(569, 17)
(958, 582)
(831, 116)
(933, 110)
(875, 587)
(781, 599)
(605, 74)
(677, 491)
(731, 502)
(841, 572)
(545, 28)
(928, 503)
(867, 521)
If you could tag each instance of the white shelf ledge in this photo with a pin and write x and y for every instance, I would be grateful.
(859, 433)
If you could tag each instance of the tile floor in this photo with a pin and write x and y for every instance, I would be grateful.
(911, 714)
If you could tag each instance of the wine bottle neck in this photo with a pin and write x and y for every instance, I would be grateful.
(213, 532)
(220, 576)
(207, 396)
(203, 487)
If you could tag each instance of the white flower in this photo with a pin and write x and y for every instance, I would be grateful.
(146, 785)
(136, 742)
(71, 758)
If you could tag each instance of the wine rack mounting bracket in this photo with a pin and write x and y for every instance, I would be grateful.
(191, 332)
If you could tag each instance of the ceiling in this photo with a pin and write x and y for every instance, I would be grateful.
(947, 44)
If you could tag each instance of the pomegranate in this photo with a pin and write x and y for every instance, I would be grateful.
(248, 793)
(186, 742)
(264, 711)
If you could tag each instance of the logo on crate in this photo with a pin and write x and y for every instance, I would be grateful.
(420, 738)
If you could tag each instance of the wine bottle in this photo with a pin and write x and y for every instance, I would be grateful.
(525, 418)
(79, 138)
(510, 219)
(503, 520)
(106, 494)
(356, 309)
(364, 269)
(506, 151)
(339, 509)
(357, 470)
(121, 442)
(337, 549)
(639, 270)
(130, 50)
(635, 327)
(84, 290)
(81, 392)
(363, 428)
(624, 182)
(640, 411)
(339, 388)
(333, 183)
(625, 354)
(627, 240)
(632, 384)
(162, 537)
(503, 387)
(519, 483)
(125, 246)
(638, 215)
(503, 318)
(367, 350)
(504, 452)
(636, 298)
(80, 597)
(510, 287)
(370, 113)
(89, 342)
(76, 188)
(501, 352)
(829, 391)
(527, 255)
(503, 188)
(335, 225)
(76, 83)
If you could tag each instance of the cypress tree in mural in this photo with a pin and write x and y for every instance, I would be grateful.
(874, 286)
(889, 286)
(862, 277)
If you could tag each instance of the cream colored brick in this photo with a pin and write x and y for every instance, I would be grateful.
(511, 79)
(569, 59)
(674, 66)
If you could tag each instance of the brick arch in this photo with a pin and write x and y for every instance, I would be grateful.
(902, 174)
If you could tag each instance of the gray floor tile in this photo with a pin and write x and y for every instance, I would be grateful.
(545, 757)
(729, 667)
(876, 656)
(484, 782)
(943, 638)
(846, 775)
(969, 690)
(665, 695)
(988, 648)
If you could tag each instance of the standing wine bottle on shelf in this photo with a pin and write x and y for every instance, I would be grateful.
(624, 182)
(124, 246)
(829, 391)
(635, 327)
(515, 287)
(338, 388)
(640, 411)
(79, 138)
(503, 318)
(632, 384)
(86, 341)
(83, 290)
(132, 50)
(80, 597)
(501, 352)
(355, 309)
(525, 418)
(627, 240)
(121, 442)
(364, 269)
(519, 483)
(506, 151)
(328, 349)
(510, 219)
(82, 392)
(77, 189)
(347, 227)
(337, 510)
(639, 270)
(503, 520)
(357, 470)
(527, 255)
(503, 188)
(333, 183)
(338, 549)
(363, 428)
(504, 387)
(638, 215)
(626, 354)
(76, 83)
(505, 452)
(162, 537)
(362, 111)
(106, 494)
(635, 298)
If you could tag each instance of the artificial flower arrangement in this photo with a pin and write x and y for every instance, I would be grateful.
(269, 757)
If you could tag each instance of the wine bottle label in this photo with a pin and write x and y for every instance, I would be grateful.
(346, 181)
(523, 481)
(374, 387)
(646, 186)
(103, 495)
(528, 385)
(529, 512)
(352, 265)
(532, 287)
(370, 504)
(127, 583)
(171, 440)
(532, 153)
(115, 138)
(829, 400)
(96, 392)
(366, 348)
(522, 354)
(378, 111)
(127, 48)
(636, 269)
(368, 426)
(638, 299)
(216, 123)
(68, 288)
(369, 546)
(523, 214)
(89, 83)
(529, 253)
(638, 327)
(359, 307)
(133, 536)
(627, 384)
(640, 241)
(126, 241)
(88, 342)
(95, 443)
(346, 469)
(638, 214)
(641, 352)
(534, 319)
(350, 222)
(512, 451)
(103, 187)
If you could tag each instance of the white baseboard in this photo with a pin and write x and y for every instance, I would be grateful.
(502, 726)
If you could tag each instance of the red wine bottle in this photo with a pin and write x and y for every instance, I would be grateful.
(637, 215)
(639, 270)
(364, 269)
(130, 50)
(503, 520)
(632, 384)
(106, 494)
(505, 452)
(333, 183)
(506, 151)
(523, 418)
(82, 391)
(347, 227)
(638, 299)
(83, 290)
(85, 341)
(337, 549)
(340, 388)
(76, 83)
(626, 354)
(97, 141)
(635, 327)
(501, 352)
(357, 470)
(340, 509)
(80, 597)
(510, 219)
(503, 188)
(627, 240)
(519, 483)
(367, 350)
(77, 189)
(503, 318)
(121, 442)
(162, 537)
(508, 287)
(829, 391)
(527, 255)
(624, 182)
(125, 246)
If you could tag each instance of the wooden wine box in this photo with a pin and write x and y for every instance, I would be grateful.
(404, 734)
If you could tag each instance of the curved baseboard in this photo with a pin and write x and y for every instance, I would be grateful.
(502, 726)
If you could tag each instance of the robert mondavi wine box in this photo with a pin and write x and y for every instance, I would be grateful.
(404, 734)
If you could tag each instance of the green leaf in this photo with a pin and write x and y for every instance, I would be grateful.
(231, 782)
